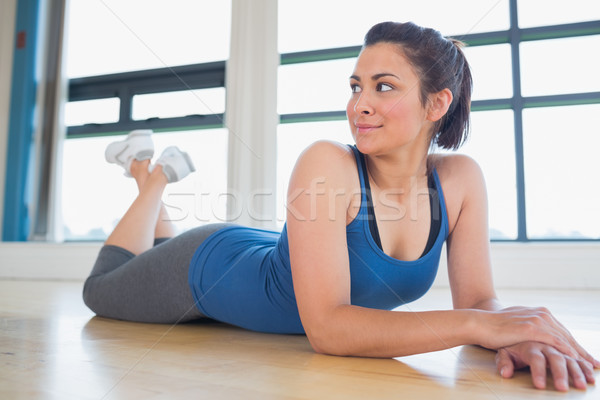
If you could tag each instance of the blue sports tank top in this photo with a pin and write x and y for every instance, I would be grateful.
(242, 276)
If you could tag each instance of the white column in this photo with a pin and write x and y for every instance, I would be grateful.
(50, 131)
(251, 114)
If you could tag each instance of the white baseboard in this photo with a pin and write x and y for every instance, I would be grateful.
(541, 265)
(54, 261)
(548, 265)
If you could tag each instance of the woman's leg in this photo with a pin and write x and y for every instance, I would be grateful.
(150, 287)
(136, 231)
(164, 228)
(133, 280)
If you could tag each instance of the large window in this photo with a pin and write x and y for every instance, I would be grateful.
(144, 64)
(535, 101)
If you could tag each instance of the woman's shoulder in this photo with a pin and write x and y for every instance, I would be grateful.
(462, 183)
(325, 166)
(455, 167)
(325, 173)
(323, 148)
(326, 158)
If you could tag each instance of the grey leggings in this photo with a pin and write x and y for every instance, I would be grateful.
(150, 287)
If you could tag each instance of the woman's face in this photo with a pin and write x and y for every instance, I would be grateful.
(385, 111)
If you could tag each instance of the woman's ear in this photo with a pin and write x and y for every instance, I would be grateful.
(438, 104)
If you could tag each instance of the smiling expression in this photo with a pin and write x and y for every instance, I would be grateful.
(385, 111)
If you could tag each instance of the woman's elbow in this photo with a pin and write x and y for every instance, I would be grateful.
(318, 345)
(326, 343)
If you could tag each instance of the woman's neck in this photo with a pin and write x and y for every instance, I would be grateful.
(401, 170)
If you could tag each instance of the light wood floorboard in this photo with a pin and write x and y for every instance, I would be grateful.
(52, 347)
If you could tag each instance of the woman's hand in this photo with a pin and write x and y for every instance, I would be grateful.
(515, 325)
(538, 357)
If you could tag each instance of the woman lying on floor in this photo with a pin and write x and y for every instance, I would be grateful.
(364, 233)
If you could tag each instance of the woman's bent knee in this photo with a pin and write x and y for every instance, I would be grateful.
(89, 295)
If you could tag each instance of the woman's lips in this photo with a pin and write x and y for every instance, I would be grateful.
(366, 128)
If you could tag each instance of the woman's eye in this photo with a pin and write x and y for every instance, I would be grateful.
(355, 88)
(384, 87)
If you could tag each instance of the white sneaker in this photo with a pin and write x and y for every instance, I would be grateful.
(175, 163)
(137, 145)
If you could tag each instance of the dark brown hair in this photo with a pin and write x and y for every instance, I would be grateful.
(440, 63)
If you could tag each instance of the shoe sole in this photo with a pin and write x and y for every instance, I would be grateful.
(116, 158)
(172, 174)
(189, 162)
(144, 155)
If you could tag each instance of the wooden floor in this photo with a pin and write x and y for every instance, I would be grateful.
(52, 347)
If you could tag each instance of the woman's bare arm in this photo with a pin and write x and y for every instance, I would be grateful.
(320, 195)
(471, 282)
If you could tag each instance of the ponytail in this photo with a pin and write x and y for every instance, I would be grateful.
(453, 129)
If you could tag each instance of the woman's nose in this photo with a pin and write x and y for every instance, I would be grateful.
(362, 106)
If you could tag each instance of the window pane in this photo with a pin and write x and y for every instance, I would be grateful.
(99, 111)
(179, 104)
(316, 24)
(560, 66)
(561, 169)
(556, 12)
(491, 70)
(96, 194)
(323, 86)
(492, 145)
(316, 86)
(292, 139)
(127, 35)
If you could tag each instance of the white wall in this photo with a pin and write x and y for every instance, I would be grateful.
(8, 10)
(541, 265)
(515, 265)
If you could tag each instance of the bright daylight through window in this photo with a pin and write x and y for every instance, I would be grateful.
(110, 37)
(536, 102)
